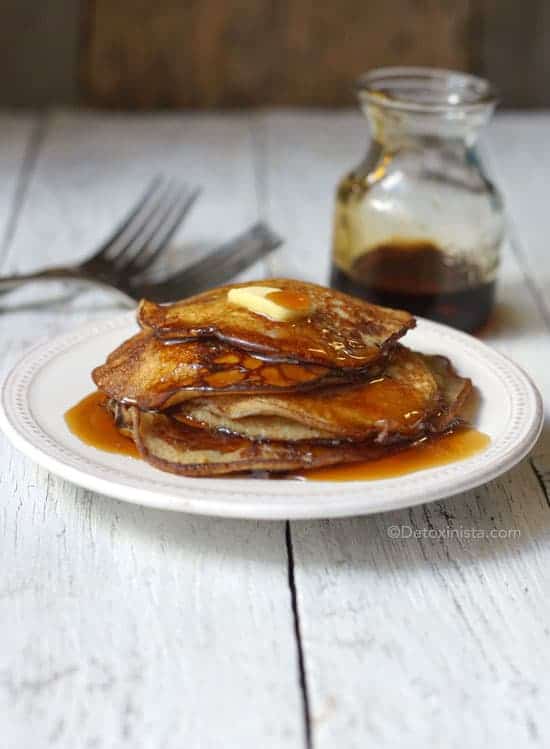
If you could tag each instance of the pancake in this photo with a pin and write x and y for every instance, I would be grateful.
(455, 393)
(177, 448)
(339, 332)
(415, 394)
(194, 450)
(279, 428)
(155, 375)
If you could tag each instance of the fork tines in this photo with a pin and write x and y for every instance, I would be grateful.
(150, 226)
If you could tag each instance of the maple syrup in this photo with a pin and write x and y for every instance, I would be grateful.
(91, 422)
(428, 453)
(418, 277)
(418, 224)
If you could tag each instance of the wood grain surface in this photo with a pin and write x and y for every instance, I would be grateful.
(207, 53)
(123, 626)
(230, 53)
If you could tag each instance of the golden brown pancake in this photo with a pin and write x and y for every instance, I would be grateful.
(178, 447)
(340, 331)
(278, 428)
(154, 374)
(414, 394)
(455, 393)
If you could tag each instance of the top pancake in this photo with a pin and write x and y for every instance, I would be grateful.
(341, 332)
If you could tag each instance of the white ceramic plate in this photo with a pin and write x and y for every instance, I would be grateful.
(54, 375)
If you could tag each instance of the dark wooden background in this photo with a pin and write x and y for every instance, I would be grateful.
(148, 54)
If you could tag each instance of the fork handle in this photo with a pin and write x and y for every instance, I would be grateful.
(7, 283)
(61, 273)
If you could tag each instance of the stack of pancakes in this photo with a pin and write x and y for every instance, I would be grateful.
(211, 387)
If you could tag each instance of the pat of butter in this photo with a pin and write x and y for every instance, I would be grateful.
(259, 299)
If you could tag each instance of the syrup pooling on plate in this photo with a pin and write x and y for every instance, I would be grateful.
(430, 452)
(91, 422)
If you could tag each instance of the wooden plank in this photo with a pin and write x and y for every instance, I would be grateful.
(39, 53)
(234, 53)
(121, 625)
(208, 53)
(16, 133)
(521, 162)
(512, 49)
(413, 639)
(417, 641)
(519, 152)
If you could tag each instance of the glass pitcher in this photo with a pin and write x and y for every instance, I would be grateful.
(418, 225)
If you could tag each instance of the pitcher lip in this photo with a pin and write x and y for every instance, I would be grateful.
(426, 90)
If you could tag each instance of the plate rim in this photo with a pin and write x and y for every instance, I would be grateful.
(204, 496)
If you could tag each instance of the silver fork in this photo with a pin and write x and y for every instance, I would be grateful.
(219, 266)
(120, 263)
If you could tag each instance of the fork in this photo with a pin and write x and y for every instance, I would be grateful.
(217, 267)
(120, 263)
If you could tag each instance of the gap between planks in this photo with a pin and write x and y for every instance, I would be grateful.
(302, 673)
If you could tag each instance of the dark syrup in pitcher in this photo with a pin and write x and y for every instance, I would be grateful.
(418, 277)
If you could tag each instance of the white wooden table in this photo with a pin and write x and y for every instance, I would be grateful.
(126, 627)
